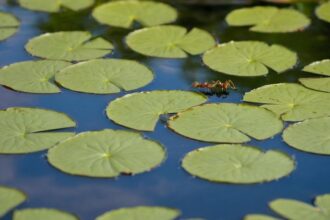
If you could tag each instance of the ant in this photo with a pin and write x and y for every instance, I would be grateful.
(215, 87)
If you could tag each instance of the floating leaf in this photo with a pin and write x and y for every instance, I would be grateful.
(69, 46)
(8, 25)
(32, 76)
(141, 213)
(27, 130)
(43, 214)
(9, 199)
(259, 217)
(106, 153)
(323, 11)
(290, 101)
(268, 19)
(105, 76)
(237, 164)
(249, 58)
(226, 123)
(125, 13)
(170, 41)
(141, 111)
(55, 5)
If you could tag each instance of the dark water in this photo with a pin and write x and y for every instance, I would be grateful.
(168, 185)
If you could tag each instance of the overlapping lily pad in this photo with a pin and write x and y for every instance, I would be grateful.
(26, 130)
(106, 153)
(170, 41)
(226, 123)
(43, 214)
(32, 76)
(141, 111)
(55, 5)
(141, 213)
(323, 11)
(125, 13)
(105, 76)
(8, 25)
(290, 101)
(9, 199)
(69, 46)
(268, 19)
(237, 164)
(259, 217)
(249, 58)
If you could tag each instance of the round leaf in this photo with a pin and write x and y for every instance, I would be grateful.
(226, 123)
(319, 67)
(249, 58)
(323, 12)
(9, 199)
(43, 214)
(237, 164)
(55, 5)
(8, 25)
(141, 111)
(106, 153)
(259, 217)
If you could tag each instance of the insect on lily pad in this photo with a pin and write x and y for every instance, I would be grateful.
(43, 214)
(8, 25)
(55, 5)
(9, 199)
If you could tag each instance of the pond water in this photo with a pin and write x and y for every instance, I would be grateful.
(168, 185)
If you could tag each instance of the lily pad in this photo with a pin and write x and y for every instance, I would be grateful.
(268, 19)
(32, 76)
(237, 164)
(43, 214)
(296, 210)
(9, 199)
(323, 11)
(141, 213)
(125, 13)
(106, 153)
(170, 41)
(8, 25)
(249, 58)
(141, 111)
(311, 135)
(259, 217)
(290, 101)
(226, 123)
(27, 130)
(69, 46)
(55, 5)
(105, 76)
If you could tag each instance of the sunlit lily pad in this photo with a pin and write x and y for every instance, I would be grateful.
(55, 5)
(170, 41)
(43, 214)
(9, 199)
(69, 46)
(296, 210)
(106, 153)
(32, 76)
(141, 213)
(8, 25)
(226, 123)
(249, 58)
(105, 76)
(125, 13)
(268, 19)
(141, 111)
(323, 11)
(259, 217)
(26, 130)
(237, 164)
(292, 102)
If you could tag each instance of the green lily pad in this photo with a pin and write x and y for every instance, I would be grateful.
(9, 199)
(296, 210)
(55, 5)
(43, 214)
(8, 25)
(249, 58)
(27, 130)
(106, 153)
(105, 76)
(125, 13)
(141, 213)
(268, 19)
(319, 67)
(311, 135)
(32, 76)
(259, 217)
(69, 46)
(323, 12)
(141, 111)
(170, 41)
(226, 123)
(237, 164)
